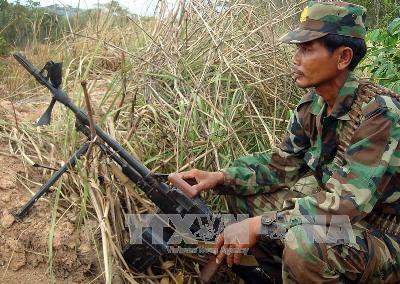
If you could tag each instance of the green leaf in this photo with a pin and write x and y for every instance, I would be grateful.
(390, 71)
(394, 27)
(373, 35)
(161, 75)
(394, 86)
(381, 71)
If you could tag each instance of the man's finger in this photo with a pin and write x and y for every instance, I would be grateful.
(219, 242)
(229, 258)
(220, 252)
(220, 256)
(199, 187)
(186, 175)
(236, 258)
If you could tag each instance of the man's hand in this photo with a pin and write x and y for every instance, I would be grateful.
(236, 239)
(204, 180)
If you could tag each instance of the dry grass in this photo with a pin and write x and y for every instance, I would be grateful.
(200, 86)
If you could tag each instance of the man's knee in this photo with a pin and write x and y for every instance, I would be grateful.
(299, 246)
(303, 259)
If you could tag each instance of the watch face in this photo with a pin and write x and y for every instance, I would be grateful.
(266, 220)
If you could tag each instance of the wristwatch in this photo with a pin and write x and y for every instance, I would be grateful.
(270, 227)
(267, 221)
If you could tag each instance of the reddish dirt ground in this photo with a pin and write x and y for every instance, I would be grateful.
(24, 246)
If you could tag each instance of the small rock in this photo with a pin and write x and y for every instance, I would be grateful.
(7, 183)
(18, 260)
(6, 197)
(7, 220)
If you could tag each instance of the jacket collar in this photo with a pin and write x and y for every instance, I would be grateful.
(343, 102)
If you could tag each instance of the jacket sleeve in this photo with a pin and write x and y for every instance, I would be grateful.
(267, 172)
(372, 157)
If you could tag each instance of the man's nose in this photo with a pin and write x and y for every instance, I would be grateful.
(296, 59)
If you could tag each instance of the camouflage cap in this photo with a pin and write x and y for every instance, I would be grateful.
(321, 18)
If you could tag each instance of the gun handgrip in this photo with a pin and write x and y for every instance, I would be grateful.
(209, 270)
(182, 185)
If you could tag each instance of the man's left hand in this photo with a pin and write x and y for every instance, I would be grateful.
(236, 239)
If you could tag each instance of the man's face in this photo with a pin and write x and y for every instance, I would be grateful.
(313, 64)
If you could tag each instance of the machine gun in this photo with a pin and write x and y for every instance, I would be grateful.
(180, 199)
(169, 199)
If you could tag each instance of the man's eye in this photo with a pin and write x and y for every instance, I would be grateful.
(302, 49)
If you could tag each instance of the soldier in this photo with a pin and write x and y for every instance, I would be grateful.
(346, 133)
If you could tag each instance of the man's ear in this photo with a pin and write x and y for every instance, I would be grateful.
(345, 56)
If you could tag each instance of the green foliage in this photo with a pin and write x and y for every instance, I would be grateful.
(23, 24)
(383, 58)
(30, 23)
(379, 12)
(4, 48)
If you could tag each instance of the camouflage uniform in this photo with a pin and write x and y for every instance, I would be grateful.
(368, 180)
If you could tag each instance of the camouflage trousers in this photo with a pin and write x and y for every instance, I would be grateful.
(373, 257)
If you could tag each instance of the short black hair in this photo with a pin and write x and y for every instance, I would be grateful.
(332, 42)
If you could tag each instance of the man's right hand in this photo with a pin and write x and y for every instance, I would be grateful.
(204, 180)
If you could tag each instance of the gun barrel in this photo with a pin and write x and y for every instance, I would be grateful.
(32, 70)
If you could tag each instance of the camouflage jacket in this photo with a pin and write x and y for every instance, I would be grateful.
(369, 178)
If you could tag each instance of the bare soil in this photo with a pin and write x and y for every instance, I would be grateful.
(24, 246)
